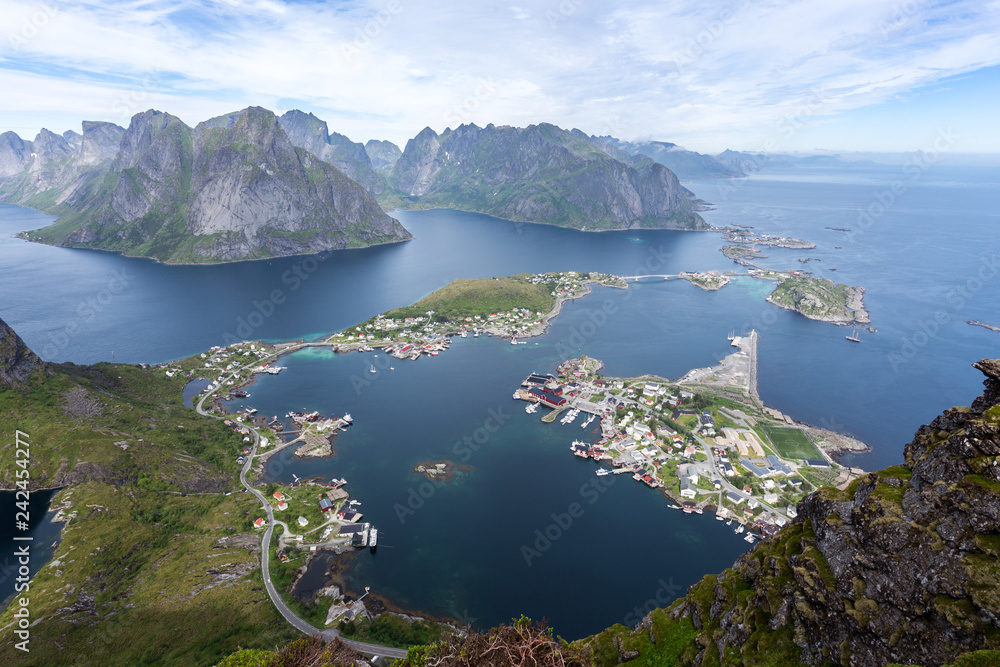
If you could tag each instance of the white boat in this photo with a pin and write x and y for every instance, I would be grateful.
(749, 538)
(739, 529)
(464, 334)
(601, 472)
(513, 341)
(729, 523)
(530, 409)
(718, 517)
(373, 369)
(347, 418)
(373, 538)
(392, 368)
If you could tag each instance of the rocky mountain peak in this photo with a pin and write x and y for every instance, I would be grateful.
(15, 154)
(99, 142)
(382, 154)
(49, 145)
(309, 132)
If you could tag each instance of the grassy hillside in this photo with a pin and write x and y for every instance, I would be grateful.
(482, 296)
(158, 565)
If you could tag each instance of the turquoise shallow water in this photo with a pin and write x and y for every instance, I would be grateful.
(927, 261)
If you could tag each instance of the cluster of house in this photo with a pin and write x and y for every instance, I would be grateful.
(752, 504)
(327, 503)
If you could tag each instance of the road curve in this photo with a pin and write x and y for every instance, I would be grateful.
(327, 634)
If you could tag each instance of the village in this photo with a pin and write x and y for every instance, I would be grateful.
(406, 334)
(703, 448)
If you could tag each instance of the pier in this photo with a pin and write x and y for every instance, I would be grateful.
(752, 374)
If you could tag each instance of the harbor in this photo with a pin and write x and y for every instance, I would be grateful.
(705, 442)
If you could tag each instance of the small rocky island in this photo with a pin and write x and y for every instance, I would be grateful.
(821, 299)
(752, 238)
(440, 471)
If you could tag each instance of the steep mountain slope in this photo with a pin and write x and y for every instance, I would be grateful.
(17, 362)
(232, 188)
(309, 132)
(540, 173)
(901, 567)
(157, 563)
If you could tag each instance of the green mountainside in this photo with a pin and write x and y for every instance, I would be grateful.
(158, 564)
(232, 188)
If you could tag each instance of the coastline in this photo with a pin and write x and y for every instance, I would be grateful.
(691, 378)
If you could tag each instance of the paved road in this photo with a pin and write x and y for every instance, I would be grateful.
(265, 551)
(726, 486)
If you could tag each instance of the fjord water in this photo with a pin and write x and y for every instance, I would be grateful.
(927, 259)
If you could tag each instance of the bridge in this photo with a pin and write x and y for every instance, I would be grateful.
(650, 278)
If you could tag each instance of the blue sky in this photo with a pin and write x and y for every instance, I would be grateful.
(777, 75)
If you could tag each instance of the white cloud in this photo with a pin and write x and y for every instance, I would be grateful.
(701, 74)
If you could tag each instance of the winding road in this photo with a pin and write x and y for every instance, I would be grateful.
(327, 634)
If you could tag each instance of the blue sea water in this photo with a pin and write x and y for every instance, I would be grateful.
(925, 252)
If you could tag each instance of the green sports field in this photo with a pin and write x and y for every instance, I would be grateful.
(791, 443)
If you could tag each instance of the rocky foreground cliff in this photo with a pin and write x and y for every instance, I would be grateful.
(17, 361)
(901, 567)
(231, 188)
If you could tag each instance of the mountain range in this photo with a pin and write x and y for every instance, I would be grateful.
(233, 187)
(251, 184)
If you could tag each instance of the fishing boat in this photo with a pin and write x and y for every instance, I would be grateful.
(373, 538)
(347, 418)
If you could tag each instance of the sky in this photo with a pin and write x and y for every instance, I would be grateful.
(761, 75)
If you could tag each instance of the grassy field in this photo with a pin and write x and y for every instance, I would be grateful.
(483, 296)
(791, 443)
